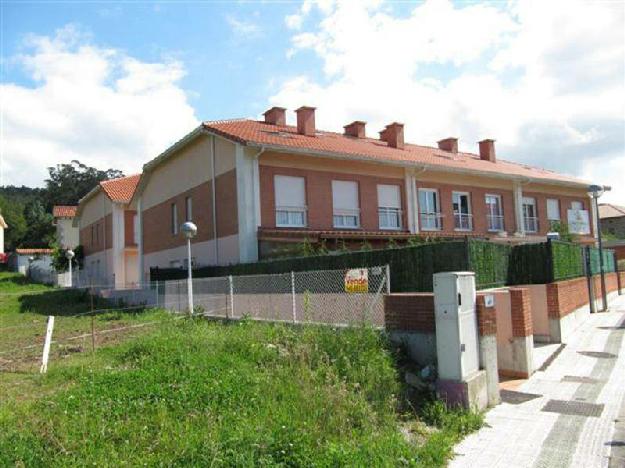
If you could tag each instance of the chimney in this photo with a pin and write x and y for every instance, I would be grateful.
(393, 134)
(306, 121)
(276, 116)
(449, 144)
(355, 129)
(487, 150)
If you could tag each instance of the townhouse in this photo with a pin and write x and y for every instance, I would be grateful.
(106, 221)
(256, 187)
(66, 233)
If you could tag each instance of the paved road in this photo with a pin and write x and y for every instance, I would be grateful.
(569, 415)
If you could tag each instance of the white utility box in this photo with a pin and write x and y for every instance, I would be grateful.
(456, 325)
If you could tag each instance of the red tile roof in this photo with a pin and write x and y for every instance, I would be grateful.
(63, 211)
(260, 133)
(122, 189)
(33, 251)
(607, 210)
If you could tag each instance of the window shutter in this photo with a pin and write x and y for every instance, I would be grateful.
(344, 195)
(553, 209)
(290, 191)
(389, 196)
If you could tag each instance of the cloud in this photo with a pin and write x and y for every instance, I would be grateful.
(243, 28)
(90, 103)
(546, 79)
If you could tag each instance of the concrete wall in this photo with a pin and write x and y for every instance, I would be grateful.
(66, 233)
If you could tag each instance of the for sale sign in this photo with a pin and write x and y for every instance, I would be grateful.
(357, 280)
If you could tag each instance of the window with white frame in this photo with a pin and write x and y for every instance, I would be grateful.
(188, 204)
(577, 205)
(494, 212)
(174, 219)
(290, 195)
(389, 206)
(530, 215)
(429, 210)
(346, 208)
(553, 212)
(463, 219)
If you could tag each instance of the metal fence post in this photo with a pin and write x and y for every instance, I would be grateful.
(590, 280)
(388, 279)
(231, 296)
(294, 307)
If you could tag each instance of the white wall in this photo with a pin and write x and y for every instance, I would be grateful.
(66, 233)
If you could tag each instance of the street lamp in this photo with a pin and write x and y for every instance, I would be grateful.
(594, 192)
(31, 259)
(69, 255)
(189, 230)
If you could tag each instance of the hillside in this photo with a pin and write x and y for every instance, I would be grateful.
(198, 392)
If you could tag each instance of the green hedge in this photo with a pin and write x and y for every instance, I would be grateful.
(609, 260)
(411, 267)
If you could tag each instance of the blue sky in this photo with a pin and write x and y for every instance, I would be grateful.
(114, 83)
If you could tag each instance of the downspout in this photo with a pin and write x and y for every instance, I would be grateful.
(256, 192)
(214, 204)
(415, 198)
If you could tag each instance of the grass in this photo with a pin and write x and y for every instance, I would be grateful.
(197, 392)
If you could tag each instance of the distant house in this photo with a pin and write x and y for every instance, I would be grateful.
(22, 260)
(106, 222)
(66, 232)
(612, 219)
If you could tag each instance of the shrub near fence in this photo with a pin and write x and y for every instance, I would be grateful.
(411, 267)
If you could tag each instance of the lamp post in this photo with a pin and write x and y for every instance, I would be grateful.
(69, 255)
(31, 259)
(595, 191)
(189, 230)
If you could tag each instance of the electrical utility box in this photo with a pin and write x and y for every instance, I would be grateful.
(456, 325)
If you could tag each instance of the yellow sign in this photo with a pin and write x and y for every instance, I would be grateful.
(357, 281)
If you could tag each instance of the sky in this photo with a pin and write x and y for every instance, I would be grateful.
(113, 84)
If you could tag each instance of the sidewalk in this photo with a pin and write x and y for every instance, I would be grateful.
(565, 415)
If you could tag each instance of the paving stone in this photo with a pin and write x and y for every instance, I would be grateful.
(574, 408)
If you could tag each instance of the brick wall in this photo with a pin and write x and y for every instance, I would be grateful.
(319, 196)
(520, 308)
(157, 233)
(563, 297)
(410, 312)
(103, 240)
(486, 317)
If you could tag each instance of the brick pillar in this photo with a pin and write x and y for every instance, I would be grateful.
(487, 328)
(522, 332)
(553, 313)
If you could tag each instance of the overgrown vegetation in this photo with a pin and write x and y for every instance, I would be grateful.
(193, 392)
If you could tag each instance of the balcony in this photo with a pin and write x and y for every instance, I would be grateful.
(290, 216)
(346, 219)
(389, 218)
(530, 224)
(431, 221)
(495, 223)
(463, 221)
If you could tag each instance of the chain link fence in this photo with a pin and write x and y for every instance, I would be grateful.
(335, 297)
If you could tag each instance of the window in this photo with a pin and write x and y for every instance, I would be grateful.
(290, 201)
(530, 218)
(577, 205)
(429, 210)
(345, 204)
(494, 213)
(389, 206)
(174, 219)
(553, 209)
(135, 229)
(463, 219)
(188, 203)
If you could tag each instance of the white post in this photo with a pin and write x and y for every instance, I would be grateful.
(46, 345)
(70, 273)
(231, 296)
(388, 279)
(189, 277)
(294, 308)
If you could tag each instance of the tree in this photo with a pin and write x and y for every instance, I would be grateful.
(68, 183)
(39, 227)
(13, 213)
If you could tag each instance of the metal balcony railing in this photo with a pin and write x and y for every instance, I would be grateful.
(431, 221)
(495, 223)
(530, 224)
(463, 221)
